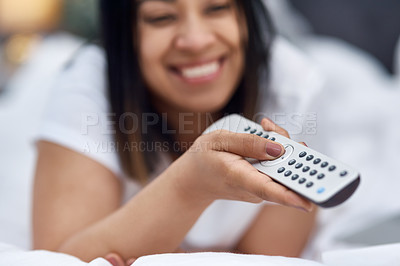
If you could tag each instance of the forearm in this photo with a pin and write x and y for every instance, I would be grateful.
(154, 221)
(279, 231)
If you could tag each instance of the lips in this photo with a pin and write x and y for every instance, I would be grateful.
(199, 72)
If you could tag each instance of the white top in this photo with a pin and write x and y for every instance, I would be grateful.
(77, 115)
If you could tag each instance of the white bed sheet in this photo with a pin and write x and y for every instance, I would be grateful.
(12, 256)
(385, 255)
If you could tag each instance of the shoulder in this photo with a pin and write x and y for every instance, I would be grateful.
(88, 60)
(78, 111)
(83, 79)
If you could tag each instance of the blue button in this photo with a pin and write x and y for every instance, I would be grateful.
(321, 190)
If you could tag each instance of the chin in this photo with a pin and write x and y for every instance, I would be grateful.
(207, 106)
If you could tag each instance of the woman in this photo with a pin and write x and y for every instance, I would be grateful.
(173, 67)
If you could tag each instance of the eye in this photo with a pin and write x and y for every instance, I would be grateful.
(160, 20)
(218, 8)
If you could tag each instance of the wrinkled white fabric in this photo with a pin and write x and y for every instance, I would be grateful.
(220, 259)
(13, 256)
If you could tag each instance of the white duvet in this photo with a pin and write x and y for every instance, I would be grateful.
(388, 255)
(12, 256)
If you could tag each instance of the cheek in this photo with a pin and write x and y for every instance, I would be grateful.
(230, 30)
(230, 33)
(152, 49)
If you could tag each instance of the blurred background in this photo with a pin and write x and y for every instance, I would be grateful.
(24, 23)
(352, 42)
(371, 25)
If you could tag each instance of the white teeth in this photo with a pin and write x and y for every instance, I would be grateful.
(201, 71)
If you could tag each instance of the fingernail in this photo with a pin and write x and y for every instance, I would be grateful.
(301, 208)
(274, 149)
(305, 208)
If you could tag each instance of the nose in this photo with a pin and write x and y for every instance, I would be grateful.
(194, 36)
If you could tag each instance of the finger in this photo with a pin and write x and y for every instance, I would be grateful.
(269, 125)
(265, 188)
(303, 143)
(246, 145)
(115, 259)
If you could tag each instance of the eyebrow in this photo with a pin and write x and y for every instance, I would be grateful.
(139, 2)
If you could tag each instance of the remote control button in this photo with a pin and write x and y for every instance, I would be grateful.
(306, 168)
(253, 131)
(321, 190)
(247, 128)
(320, 176)
(281, 170)
(332, 168)
(288, 173)
(302, 154)
(313, 172)
(259, 134)
(309, 184)
(266, 136)
(299, 165)
(343, 173)
(310, 157)
(317, 161)
(292, 162)
(324, 164)
(302, 180)
(273, 139)
(295, 176)
(288, 151)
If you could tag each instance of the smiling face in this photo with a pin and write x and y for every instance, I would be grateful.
(191, 52)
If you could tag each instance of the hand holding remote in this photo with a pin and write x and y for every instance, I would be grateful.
(215, 168)
(323, 180)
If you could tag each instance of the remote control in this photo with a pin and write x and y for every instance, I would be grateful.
(317, 177)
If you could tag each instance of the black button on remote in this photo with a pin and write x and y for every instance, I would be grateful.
(320, 176)
(302, 180)
(299, 165)
(306, 168)
(310, 157)
(273, 139)
(302, 154)
(324, 164)
(295, 176)
(313, 172)
(288, 173)
(281, 170)
(343, 173)
(266, 136)
(259, 134)
(247, 128)
(292, 162)
(332, 168)
(317, 161)
(253, 131)
(309, 184)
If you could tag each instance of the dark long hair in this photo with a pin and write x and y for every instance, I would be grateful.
(127, 91)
